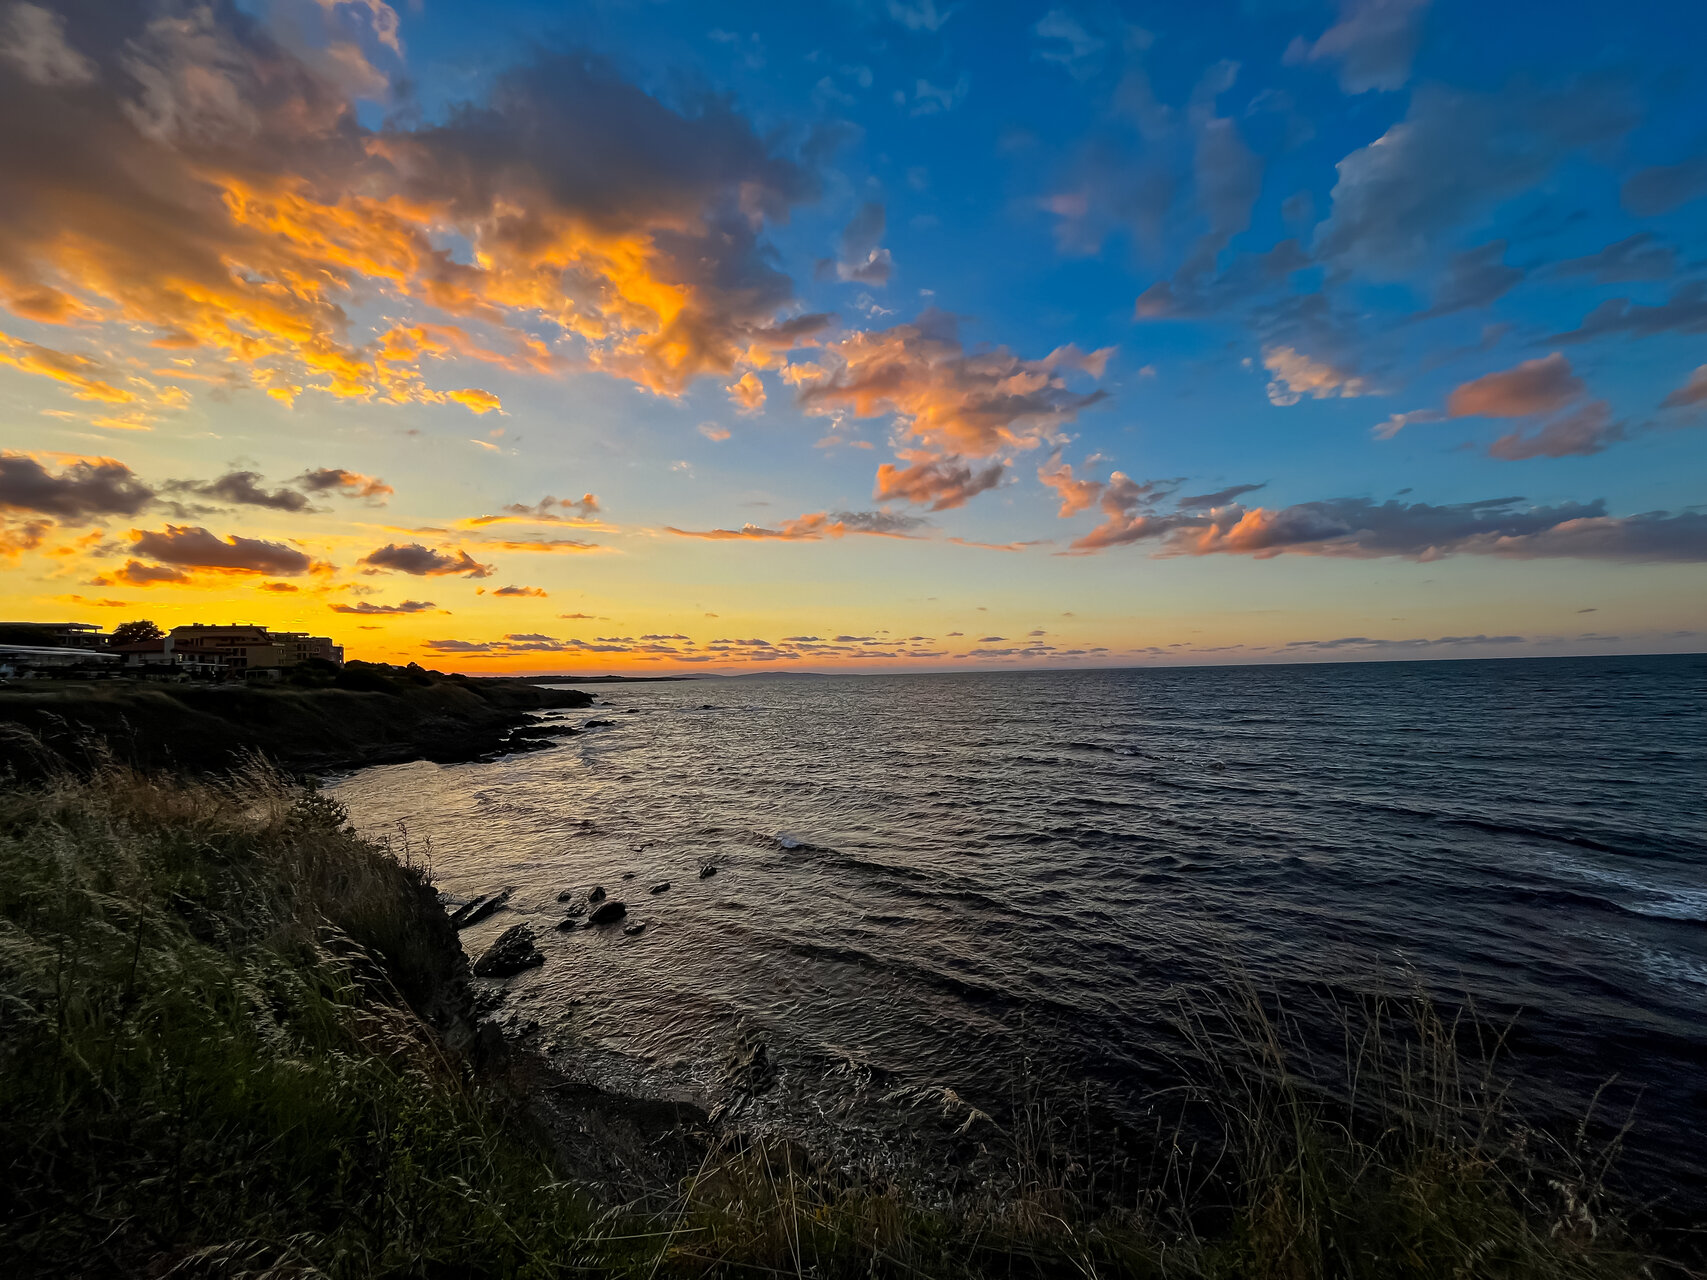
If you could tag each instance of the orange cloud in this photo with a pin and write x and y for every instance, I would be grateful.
(233, 208)
(939, 483)
(1535, 386)
(1075, 495)
(747, 394)
(78, 372)
(973, 405)
(810, 528)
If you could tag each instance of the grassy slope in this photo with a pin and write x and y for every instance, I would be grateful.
(229, 1034)
(202, 727)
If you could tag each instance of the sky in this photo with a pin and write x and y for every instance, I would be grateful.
(652, 337)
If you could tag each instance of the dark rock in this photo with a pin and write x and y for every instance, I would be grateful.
(633, 929)
(511, 953)
(485, 905)
(630, 711)
(607, 913)
(628, 875)
(707, 868)
(566, 895)
(600, 724)
(661, 887)
(597, 894)
(545, 731)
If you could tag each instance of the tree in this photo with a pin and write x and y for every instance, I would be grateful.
(134, 632)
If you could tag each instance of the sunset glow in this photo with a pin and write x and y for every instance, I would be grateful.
(857, 336)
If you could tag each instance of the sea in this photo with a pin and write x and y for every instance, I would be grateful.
(936, 898)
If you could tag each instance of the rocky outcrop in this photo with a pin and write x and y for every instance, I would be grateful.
(206, 728)
(510, 954)
(478, 909)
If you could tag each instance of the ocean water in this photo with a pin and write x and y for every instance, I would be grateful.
(931, 883)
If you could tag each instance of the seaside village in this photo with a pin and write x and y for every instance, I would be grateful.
(198, 651)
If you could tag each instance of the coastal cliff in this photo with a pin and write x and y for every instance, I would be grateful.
(366, 714)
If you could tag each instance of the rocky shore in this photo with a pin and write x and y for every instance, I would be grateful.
(368, 714)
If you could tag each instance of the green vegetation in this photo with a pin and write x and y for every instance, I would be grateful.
(235, 1040)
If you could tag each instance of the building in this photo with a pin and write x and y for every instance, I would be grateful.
(53, 635)
(299, 646)
(19, 660)
(243, 648)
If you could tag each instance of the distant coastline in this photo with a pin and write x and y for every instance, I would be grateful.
(368, 714)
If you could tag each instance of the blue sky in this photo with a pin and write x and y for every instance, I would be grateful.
(1246, 331)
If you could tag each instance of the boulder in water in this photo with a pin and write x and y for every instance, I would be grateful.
(598, 894)
(478, 909)
(607, 913)
(707, 868)
(633, 929)
(663, 886)
(511, 953)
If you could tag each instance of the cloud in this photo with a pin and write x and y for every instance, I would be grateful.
(548, 545)
(1063, 40)
(929, 99)
(192, 547)
(1361, 529)
(811, 528)
(1474, 278)
(862, 259)
(1651, 192)
(1297, 375)
(714, 433)
(367, 607)
(1638, 257)
(242, 488)
(413, 558)
(137, 574)
(920, 15)
(1535, 386)
(941, 483)
(33, 40)
(24, 535)
(535, 592)
(1366, 643)
(548, 510)
(218, 193)
(1373, 42)
(1528, 390)
(87, 489)
(1220, 498)
(1685, 311)
(1075, 495)
(974, 404)
(350, 483)
(1586, 430)
(747, 393)
(1399, 421)
(1692, 392)
(1453, 156)
(85, 377)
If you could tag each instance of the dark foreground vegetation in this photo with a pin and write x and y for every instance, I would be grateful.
(236, 1039)
(320, 717)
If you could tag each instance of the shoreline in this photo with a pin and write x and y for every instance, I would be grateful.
(208, 922)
